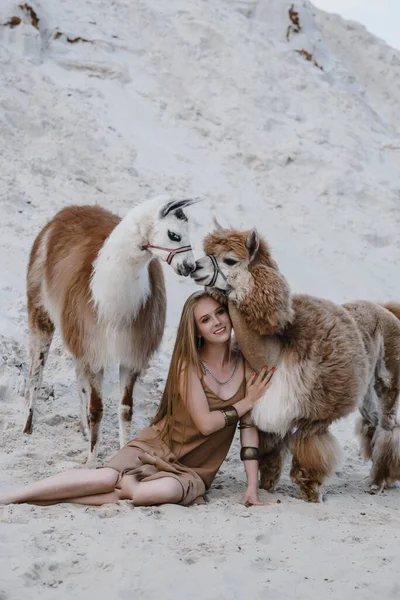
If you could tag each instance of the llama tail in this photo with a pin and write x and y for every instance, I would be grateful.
(393, 307)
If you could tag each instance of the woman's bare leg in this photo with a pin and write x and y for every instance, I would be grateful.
(95, 499)
(95, 487)
(166, 490)
(71, 484)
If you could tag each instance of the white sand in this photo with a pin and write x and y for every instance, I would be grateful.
(203, 98)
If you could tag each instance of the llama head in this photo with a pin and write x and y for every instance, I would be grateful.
(239, 265)
(230, 257)
(167, 234)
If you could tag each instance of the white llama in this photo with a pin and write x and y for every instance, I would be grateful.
(98, 278)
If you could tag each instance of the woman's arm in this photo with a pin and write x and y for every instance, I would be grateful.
(208, 421)
(249, 438)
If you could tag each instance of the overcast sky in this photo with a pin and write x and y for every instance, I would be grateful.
(381, 17)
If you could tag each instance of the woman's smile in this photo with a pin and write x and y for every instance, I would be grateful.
(220, 330)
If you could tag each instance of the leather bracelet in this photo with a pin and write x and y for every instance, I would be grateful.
(230, 415)
(249, 453)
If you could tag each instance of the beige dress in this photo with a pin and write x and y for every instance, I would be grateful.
(191, 458)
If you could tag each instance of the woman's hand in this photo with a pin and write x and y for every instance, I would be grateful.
(250, 498)
(258, 384)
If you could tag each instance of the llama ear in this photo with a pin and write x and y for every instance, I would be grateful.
(217, 226)
(177, 205)
(252, 244)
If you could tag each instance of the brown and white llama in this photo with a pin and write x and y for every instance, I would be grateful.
(330, 360)
(98, 278)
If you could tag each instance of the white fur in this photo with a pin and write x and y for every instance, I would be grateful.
(242, 283)
(119, 286)
(107, 345)
(120, 282)
(281, 403)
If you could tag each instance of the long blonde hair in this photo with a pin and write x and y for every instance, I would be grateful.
(184, 358)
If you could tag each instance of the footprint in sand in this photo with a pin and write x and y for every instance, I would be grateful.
(51, 573)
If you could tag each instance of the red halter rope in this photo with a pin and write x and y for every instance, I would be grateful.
(171, 252)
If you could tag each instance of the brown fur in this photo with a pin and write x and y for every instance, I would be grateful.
(69, 268)
(393, 307)
(273, 451)
(127, 397)
(378, 427)
(61, 263)
(365, 431)
(385, 458)
(218, 243)
(314, 459)
(273, 309)
(337, 357)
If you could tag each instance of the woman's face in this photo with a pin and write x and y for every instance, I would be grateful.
(212, 321)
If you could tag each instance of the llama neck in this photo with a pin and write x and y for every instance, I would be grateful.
(120, 282)
(266, 301)
(258, 350)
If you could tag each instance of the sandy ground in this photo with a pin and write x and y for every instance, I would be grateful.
(204, 98)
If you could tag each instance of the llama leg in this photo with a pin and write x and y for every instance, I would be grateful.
(127, 380)
(367, 422)
(41, 330)
(314, 459)
(83, 386)
(272, 456)
(386, 442)
(95, 412)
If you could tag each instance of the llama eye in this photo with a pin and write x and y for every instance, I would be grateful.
(230, 262)
(174, 237)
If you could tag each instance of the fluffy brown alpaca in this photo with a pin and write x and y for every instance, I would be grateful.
(330, 360)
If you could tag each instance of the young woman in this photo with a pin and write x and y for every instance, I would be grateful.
(176, 458)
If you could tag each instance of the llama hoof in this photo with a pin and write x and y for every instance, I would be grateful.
(269, 478)
(312, 495)
(318, 499)
(28, 422)
(28, 427)
(377, 490)
(91, 462)
(268, 485)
